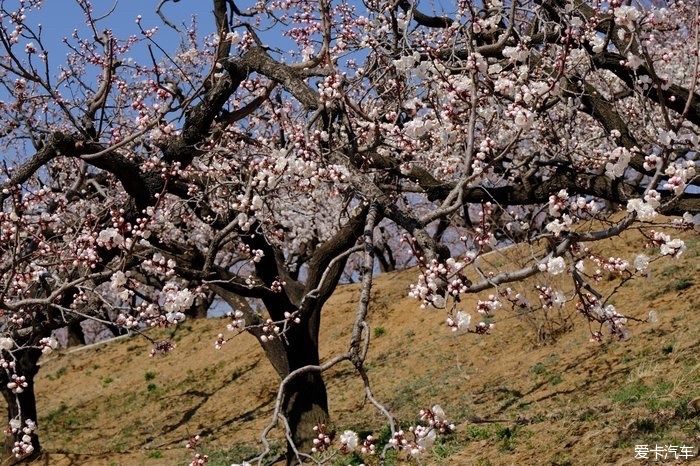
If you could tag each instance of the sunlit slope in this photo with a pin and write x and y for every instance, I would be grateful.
(514, 399)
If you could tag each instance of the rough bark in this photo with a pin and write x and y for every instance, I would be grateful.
(305, 403)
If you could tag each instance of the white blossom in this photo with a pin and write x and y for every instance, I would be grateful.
(6, 343)
(634, 61)
(645, 211)
(675, 247)
(621, 158)
(48, 344)
(177, 300)
(626, 15)
(118, 280)
(462, 320)
(641, 262)
(425, 437)
(556, 226)
(556, 265)
(349, 439)
(109, 238)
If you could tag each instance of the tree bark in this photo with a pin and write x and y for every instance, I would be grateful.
(22, 405)
(76, 334)
(305, 402)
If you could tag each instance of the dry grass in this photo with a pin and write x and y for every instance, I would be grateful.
(567, 403)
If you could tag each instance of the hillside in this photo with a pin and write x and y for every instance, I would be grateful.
(515, 400)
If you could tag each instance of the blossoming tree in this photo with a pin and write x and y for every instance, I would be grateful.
(256, 164)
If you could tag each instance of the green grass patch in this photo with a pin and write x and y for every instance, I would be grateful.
(682, 284)
(652, 395)
(476, 432)
(58, 374)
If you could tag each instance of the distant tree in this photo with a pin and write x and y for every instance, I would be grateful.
(255, 164)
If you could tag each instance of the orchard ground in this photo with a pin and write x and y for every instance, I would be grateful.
(514, 399)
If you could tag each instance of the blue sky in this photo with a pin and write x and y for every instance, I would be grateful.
(60, 17)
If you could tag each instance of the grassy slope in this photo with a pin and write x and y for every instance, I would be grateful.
(572, 402)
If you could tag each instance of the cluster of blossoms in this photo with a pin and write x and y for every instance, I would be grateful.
(323, 439)
(431, 282)
(23, 443)
(127, 321)
(329, 88)
(176, 300)
(277, 286)
(459, 321)
(48, 344)
(270, 330)
(486, 147)
(668, 246)
(237, 320)
(626, 15)
(482, 236)
(198, 459)
(6, 343)
(17, 383)
(687, 222)
(414, 442)
(645, 208)
(237, 323)
(161, 347)
(436, 419)
(488, 306)
(422, 437)
(348, 441)
(110, 238)
(556, 226)
(369, 445)
(255, 255)
(549, 297)
(159, 265)
(616, 265)
(484, 327)
(680, 172)
(117, 285)
(620, 157)
(605, 314)
(559, 205)
(553, 265)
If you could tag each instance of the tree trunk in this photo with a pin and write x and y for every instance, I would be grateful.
(22, 406)
(76, 334)
(305, 404)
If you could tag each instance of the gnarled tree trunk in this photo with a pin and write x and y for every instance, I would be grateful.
(305, 402)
